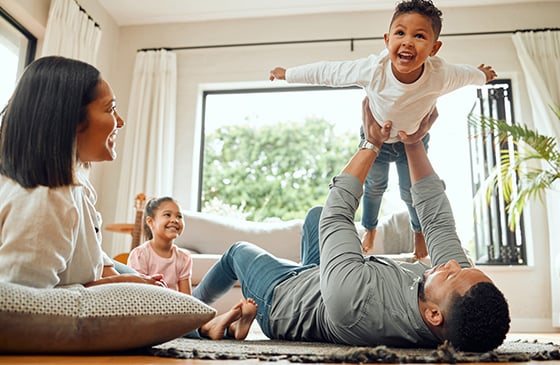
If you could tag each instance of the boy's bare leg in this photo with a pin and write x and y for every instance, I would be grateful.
(420, 248)
(240, 328)
(367, 241)
(215, 328)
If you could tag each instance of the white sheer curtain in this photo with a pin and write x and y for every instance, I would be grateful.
(539, 55)
(71, 32)
(148, 155)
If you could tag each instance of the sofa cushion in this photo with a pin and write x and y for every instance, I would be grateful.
(211, 234)
(109, 317)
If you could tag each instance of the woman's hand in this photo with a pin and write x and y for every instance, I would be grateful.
(156, 279)
(422, 130)
(372, 131)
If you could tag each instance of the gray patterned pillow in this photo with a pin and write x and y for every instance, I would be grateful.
(109, 317)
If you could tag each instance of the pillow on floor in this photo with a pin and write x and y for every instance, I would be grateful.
(111, 317)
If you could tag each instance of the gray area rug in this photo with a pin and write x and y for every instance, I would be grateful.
(311, 352)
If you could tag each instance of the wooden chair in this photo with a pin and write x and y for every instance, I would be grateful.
(135, 229)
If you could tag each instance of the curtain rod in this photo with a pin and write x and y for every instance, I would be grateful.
(351, 40)
(89, 16)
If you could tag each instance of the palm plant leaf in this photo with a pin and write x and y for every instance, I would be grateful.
(516, 175)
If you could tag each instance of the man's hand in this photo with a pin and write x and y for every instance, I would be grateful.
(422, 130)
(279, 73)
(372, 131)
(360, 164)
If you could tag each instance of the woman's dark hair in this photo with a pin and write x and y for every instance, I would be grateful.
(422, 7)
(39, 124)
(151, 207)
(479, 320)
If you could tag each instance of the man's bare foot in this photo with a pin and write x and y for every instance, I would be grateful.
(240, 328)
(420, 248)
(215, 328)
(367, 242)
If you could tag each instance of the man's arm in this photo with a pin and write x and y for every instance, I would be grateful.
(433, 208)
(342, 261)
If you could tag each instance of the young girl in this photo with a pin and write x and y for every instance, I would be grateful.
(163, 223)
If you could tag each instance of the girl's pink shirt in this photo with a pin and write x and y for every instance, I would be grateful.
(175, 268)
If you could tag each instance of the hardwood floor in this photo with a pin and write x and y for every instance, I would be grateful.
(151, 360)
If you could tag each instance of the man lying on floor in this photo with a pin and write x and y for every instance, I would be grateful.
(367, 301)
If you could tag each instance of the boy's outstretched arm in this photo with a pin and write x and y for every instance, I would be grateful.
(488, 71)
(278, 73)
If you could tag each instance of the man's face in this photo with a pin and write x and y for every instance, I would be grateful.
(442, 281)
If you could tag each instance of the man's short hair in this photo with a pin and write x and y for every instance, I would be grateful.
(479, 320)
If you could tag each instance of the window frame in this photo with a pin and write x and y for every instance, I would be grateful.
(31, 50)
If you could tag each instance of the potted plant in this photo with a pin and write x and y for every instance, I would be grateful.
(527, 171)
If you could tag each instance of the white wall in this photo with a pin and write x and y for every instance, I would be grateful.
(527, 288)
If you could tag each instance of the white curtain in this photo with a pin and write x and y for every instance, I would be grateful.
(71, 32)
(539, 55)
(148, 156)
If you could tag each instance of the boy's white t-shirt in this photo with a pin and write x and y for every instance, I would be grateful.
(403, 104)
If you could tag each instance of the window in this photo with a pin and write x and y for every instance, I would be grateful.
(271, 153)
(17, 50)
(251, 171)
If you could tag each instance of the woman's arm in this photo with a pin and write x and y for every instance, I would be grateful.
(156, 279)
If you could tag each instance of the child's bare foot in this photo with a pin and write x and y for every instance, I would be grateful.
(215, 328)
(240, 328)
(420, 248)
(367, 242)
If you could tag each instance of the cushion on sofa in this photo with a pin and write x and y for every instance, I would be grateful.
(110, 317)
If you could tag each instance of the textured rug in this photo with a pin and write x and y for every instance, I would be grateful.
(310, 352)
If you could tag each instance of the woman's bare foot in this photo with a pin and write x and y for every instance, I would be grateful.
(367, 242)
(240, 328)
(215, 328)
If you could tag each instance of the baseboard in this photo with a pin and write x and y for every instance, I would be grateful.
(532, 325)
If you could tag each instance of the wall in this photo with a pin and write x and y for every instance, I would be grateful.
(527, 288)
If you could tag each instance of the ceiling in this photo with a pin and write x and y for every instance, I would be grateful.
(141, 12)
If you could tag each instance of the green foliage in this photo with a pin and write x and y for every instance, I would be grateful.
(522, 174)
(278, 170)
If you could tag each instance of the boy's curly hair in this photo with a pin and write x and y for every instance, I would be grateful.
(479, 320)
(422, 7)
